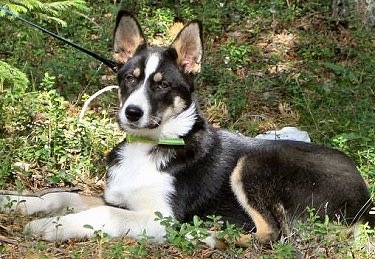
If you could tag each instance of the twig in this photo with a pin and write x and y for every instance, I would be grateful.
(8, 240)
(40, 193)
(92, 97)
(257, 116)
(88, 84)
(88, 18)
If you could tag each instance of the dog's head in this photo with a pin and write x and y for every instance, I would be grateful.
(156, 84)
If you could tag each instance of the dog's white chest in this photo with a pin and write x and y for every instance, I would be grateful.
(137, 184)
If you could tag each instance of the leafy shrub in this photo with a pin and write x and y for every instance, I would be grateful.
(41, 129)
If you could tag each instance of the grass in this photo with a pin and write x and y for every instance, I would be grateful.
(267, 65)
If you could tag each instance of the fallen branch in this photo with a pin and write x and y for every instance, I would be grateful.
(40, 193)
(8, 240)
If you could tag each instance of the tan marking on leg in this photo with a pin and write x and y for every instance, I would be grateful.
(244, 240)
(264, 232)
(92, 201)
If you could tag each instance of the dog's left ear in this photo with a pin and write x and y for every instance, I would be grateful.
(189, 47)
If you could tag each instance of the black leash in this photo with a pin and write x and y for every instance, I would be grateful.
(107, 62)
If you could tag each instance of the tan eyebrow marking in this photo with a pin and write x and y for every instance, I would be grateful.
(158, 77)
(137, 72)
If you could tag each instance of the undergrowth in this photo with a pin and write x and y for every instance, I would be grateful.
(43, 143)
(267, 65)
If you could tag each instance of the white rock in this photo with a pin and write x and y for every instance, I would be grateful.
(291, 133)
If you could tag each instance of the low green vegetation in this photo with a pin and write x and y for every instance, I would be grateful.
(268, 64)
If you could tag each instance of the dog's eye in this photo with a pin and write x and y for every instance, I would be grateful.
(162, 84)
(130, 78)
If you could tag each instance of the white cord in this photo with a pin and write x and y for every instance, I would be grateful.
(92, 97)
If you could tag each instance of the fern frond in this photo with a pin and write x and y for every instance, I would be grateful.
(29, 4)
(48, 18)
(61, 6)
(46, 10)
(15, 8)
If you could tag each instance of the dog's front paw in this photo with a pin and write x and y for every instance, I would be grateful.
(12, 203)
(46, 228)
(60, 228)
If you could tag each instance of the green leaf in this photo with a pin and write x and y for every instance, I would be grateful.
(338, 69)
(88, 226)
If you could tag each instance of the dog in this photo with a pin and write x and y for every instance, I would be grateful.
(175, 163)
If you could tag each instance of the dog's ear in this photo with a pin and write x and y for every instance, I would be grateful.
(189, 47)
(127, 37)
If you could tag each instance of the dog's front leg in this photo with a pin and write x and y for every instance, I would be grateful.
(115, 222)
(49, 203)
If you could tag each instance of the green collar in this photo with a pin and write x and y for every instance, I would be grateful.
(130, 138)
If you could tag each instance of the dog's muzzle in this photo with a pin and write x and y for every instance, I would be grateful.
(136, 119)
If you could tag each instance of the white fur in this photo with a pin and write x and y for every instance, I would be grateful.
(152, 64)
(179, 125)
(136, 182)
(170, 127)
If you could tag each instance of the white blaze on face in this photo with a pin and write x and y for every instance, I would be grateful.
(152, 64)
(139, 97)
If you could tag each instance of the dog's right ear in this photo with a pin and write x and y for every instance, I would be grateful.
(127, 37)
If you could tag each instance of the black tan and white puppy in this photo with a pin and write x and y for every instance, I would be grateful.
(175, 163)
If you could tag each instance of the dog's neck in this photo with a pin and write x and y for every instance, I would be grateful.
(199, 125)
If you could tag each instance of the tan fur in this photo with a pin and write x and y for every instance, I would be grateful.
(158, 77)
(92, 201)
(178, 106)
(137, 72)
(243, 241)
(271, 180)
(264, 232)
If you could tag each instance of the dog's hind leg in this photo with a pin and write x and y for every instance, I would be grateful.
(267, 227)
(49, 203)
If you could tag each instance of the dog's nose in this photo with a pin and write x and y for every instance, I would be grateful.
(133, 113)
